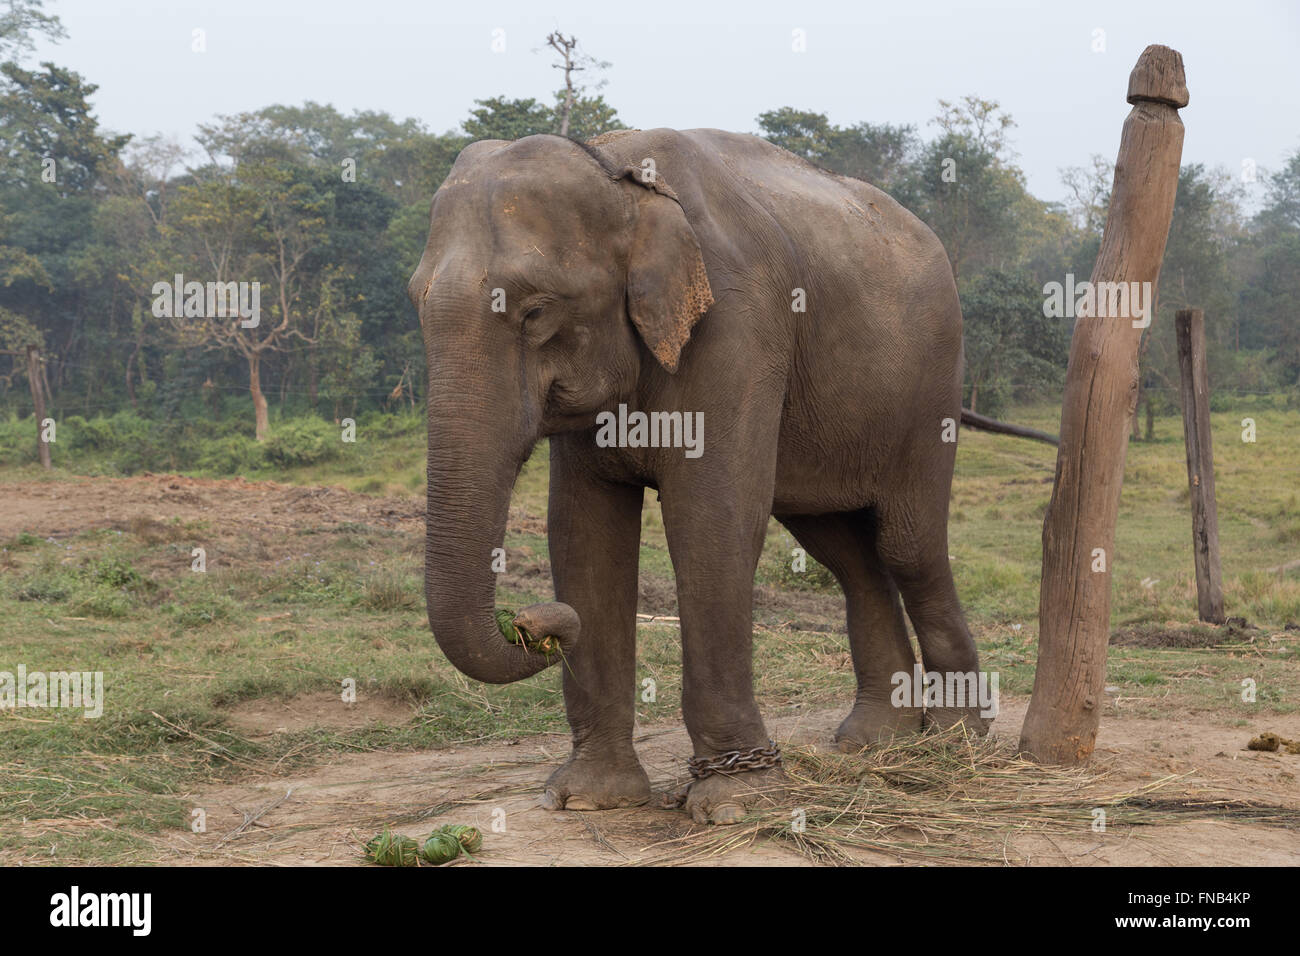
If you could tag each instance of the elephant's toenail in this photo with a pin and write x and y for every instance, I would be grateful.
(552, 801)
(726, 813)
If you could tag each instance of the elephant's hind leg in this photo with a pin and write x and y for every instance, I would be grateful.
(845, 544)
(916, 555)
(594, 530)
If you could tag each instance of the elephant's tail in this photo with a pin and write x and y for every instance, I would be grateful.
(984, 423)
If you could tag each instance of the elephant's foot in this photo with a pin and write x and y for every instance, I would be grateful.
(944, 718)
(597, 783)
(724, 798)
(868, 723)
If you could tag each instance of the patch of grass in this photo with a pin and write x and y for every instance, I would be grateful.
(290, 614)
(24, 539)
(390, 589)
(202, 610)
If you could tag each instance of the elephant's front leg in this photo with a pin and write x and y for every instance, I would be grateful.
(594, 529)
(715, 530)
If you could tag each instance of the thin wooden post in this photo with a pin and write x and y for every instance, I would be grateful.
(34, 379)
(1100, 395)
(1195, 394)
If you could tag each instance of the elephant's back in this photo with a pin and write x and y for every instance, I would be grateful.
(878, 340)
(753, 204)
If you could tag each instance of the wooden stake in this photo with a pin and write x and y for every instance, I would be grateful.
(34, 379)
(1195, 393)
(1100, 395)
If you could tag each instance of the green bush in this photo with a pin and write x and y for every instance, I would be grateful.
(49, 582)
(114, 572)
(107, 587)
(124, 442)
(377, 424)
(814, 576)
(203, 610)
(127, 443)
(17, 440)
(303, 441)
(231, 455)
(101, 601)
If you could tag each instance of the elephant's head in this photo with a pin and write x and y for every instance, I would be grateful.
(549, 278)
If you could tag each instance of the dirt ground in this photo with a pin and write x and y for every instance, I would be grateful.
(59, 508)
(324, 816)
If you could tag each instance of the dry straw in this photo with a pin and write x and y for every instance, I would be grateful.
(943, 798)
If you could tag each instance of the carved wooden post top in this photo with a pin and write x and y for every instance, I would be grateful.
(1158, 78)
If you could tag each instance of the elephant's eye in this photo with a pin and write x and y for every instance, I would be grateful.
(532, 313)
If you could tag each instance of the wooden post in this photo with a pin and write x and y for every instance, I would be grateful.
(1195, 393)
(34, 379)
(1100, 394)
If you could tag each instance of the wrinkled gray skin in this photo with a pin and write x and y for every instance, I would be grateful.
(676, 295)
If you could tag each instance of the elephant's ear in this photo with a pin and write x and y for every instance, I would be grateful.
(667, 285)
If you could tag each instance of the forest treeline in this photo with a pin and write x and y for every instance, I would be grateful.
(328, 212)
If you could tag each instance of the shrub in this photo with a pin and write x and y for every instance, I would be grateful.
(303, 441)
(814, 577)
(49, 583)
(114, 572)
(17, 440)
(231, 455)
(391, 590)
(203, 610)
(102, 601)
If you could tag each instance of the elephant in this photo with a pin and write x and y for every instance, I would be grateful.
(813, 325)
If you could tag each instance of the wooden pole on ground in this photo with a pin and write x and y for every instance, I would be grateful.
(34, 379)
(1100, 393)
(987, 424)
(1195, 393)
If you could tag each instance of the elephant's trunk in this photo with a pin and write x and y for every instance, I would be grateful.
(472, 470)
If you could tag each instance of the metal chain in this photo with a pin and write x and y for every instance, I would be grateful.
(736, 761)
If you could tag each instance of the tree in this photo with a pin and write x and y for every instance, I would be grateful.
(348, 365)
(399, 157)
(19, 21)
(1196, 273)
(980, 121)
(572, 61)
(1270, 301)
(565, 46)
(972, 202)
(877, 154)
(1090, 191)
(591, 116)
(56, 166)
(802, 132)
(1010, 345)
(500, 118)
(260, 222)
(47, 117)
(965, 187)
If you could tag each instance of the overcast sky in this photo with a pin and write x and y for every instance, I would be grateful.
(704, 63)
